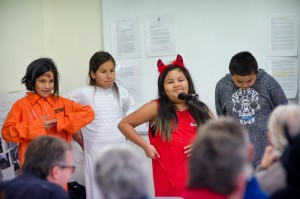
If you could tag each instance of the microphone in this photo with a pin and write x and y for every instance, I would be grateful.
(184, 96)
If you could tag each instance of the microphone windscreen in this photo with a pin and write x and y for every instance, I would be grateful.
(182, 96)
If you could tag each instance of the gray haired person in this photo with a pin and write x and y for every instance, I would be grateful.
(121, 173)
(270, 173)
(47, 169)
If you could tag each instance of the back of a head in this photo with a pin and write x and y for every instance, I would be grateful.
(219, 156)
(283, 115)
(121, 174)
(43, 153)
(227, 124)
(243, 63)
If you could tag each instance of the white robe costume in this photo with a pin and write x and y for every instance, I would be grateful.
(109, 111)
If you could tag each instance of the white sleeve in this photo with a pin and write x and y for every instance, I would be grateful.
(78, 95)
(127, 101)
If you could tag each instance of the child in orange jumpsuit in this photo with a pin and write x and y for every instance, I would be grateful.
(42, 111)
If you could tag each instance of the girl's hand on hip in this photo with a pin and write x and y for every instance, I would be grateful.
(188, 149)
(151, 152)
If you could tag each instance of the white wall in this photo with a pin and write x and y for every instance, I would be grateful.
(69, 31)
(21, 39)
(207, 34)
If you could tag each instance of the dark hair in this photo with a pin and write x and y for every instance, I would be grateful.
(98, 59)
(167, 110)
(243, 63)
(37, 68)
(43, 153)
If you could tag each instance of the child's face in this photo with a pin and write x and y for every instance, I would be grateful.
(244, 82)
(44, 84)
(175, 83)
(105, 75)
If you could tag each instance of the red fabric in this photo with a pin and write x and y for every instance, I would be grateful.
(202, 194)
(172, 157)
(178, 62)
(24, 121)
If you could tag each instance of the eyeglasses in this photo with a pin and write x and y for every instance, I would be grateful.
(72, 167)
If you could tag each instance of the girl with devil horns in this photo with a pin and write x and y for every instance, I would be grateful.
(173, 125)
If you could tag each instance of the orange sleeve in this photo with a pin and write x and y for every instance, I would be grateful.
(17, 129)
(76, 116)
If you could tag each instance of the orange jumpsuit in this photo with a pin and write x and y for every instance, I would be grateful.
(24, 121)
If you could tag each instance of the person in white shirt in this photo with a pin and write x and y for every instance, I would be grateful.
(110, 102)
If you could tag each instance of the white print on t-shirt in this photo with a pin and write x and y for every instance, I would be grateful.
(245, 103)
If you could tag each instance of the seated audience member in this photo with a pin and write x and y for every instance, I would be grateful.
(270, 173)
(253, 190)
(219, 161)
(291, 163)
(233, 129)
(121, 173)
(47, 168)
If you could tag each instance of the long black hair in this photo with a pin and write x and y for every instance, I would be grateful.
(167, 119)
(96, 60)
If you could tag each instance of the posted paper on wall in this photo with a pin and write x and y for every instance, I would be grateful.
(125, 37)
(284, 70)
(9, 162)
(160, 39)
(283, 36)
(129, 75)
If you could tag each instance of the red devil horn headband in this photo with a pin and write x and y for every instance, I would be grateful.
(161, 66)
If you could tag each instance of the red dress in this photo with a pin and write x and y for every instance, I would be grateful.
(170, 171)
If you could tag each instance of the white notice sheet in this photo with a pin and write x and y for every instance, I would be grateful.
(129, 75)
(284, 70)
(283, 40)
(125, 37)
(160, 35)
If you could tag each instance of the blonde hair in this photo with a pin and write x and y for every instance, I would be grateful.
(283, 115)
